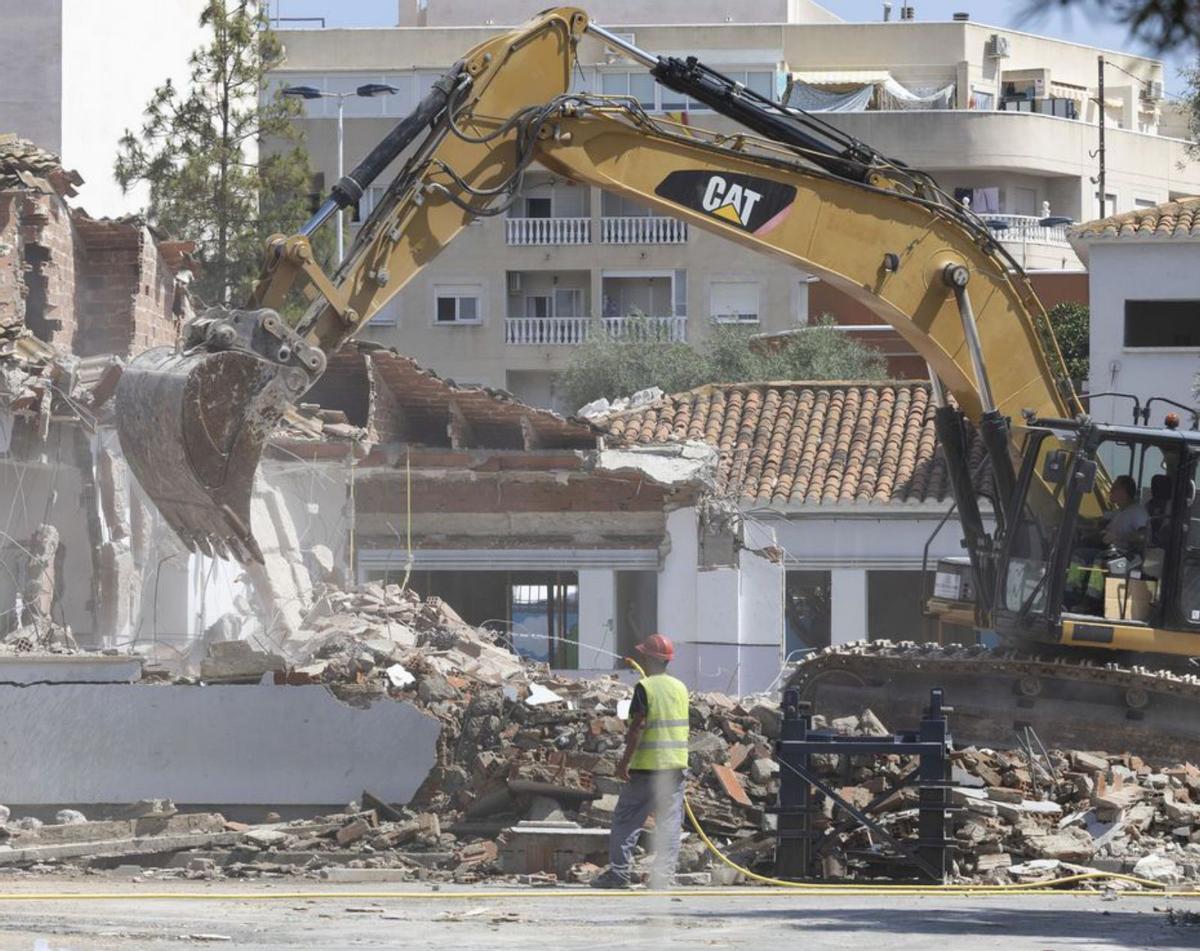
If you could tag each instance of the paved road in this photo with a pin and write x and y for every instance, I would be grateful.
(547, 920)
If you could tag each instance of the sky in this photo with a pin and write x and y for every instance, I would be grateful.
(1089, 25)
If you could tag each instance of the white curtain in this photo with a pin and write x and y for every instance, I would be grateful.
(813, 99)
(894, 96)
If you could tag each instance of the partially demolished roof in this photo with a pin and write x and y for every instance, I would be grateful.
(397, 400)
(25, 165)
(781, 443)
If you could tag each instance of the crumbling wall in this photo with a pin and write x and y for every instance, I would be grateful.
(37, 265)
(127, 292)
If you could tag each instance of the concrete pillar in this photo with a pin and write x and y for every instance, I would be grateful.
(760, 621)
(848, 593)
(677, 584)
(597, 618)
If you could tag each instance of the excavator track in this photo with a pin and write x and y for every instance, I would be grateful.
(1070, 702)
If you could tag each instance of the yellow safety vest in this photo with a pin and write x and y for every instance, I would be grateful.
(664, 743)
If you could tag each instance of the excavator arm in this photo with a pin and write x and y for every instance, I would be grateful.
(193, 420)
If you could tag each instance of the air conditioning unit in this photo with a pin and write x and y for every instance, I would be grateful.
(1152, 91)
(998, 46)
(610, 55)
(514, 282)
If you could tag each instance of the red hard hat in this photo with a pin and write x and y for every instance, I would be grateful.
(657, 645)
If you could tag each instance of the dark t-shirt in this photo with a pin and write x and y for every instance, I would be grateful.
(639, 704)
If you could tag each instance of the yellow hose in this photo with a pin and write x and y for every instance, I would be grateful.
(1016, 888)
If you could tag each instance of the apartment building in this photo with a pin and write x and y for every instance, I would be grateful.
(1006, 121)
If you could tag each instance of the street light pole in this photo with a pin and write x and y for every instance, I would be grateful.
(341, 139)
(1100, 150)
(367, 91)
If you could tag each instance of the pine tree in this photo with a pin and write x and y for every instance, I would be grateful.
(199, 151)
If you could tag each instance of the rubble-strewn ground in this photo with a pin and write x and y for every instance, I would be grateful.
(535, 918)
(524, 786)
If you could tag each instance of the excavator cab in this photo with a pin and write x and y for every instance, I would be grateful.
(1096, 560)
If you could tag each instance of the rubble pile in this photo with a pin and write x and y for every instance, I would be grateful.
(524, 784)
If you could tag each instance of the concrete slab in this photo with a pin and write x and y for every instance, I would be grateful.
(69, 668)
(215, 745)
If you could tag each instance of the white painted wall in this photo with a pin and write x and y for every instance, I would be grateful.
(215, 745)
(848, 597)
(113, 56)
(597, 618)
(1134, 269)
(677, 590)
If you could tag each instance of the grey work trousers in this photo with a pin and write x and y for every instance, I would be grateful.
(661, 793)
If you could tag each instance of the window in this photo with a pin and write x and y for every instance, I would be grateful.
(1144, 203)
(1162, 323)
(807, 610)
(368, 203)
(568, 302)
(1022, 201)
(538, 208)
(734, 301)
(679, 293)
(640, 86)
(1110, 204)
(457, 303)
(565, 302)
(656, 98)
(982, 100)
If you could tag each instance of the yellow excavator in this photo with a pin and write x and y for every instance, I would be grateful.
(1072, 609)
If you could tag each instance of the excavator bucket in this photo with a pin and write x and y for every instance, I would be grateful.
(193, 423)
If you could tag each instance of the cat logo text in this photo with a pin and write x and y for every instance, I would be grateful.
(732, 202)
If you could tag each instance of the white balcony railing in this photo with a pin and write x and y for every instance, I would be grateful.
(666, 329)
(643, 229)
(546, 331)
(572, 331)
(1026, 228)
(548, 230)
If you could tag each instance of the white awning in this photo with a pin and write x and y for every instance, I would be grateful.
(842, 77)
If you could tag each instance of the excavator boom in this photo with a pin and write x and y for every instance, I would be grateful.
(193, 420)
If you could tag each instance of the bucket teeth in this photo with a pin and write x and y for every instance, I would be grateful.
(192, 427)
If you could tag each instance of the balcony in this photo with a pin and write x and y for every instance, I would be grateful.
(543, 231)
(573, 331)
(642, 229)
(1018, 229)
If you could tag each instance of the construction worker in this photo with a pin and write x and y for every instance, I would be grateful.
(653, 765)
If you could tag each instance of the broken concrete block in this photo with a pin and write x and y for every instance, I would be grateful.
(265, 838)
(69, 817)
(763, 769)
(1089, 762)
(353, 831)
(5, 812)
(1157, 868)
(1070, 845)
(871, 725)
(238, 660)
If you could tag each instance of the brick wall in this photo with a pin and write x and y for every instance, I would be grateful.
(38, 264)
(126, 291)
(93, 287)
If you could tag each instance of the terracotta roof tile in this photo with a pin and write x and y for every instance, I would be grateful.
(1172, 219)
(805, 442)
